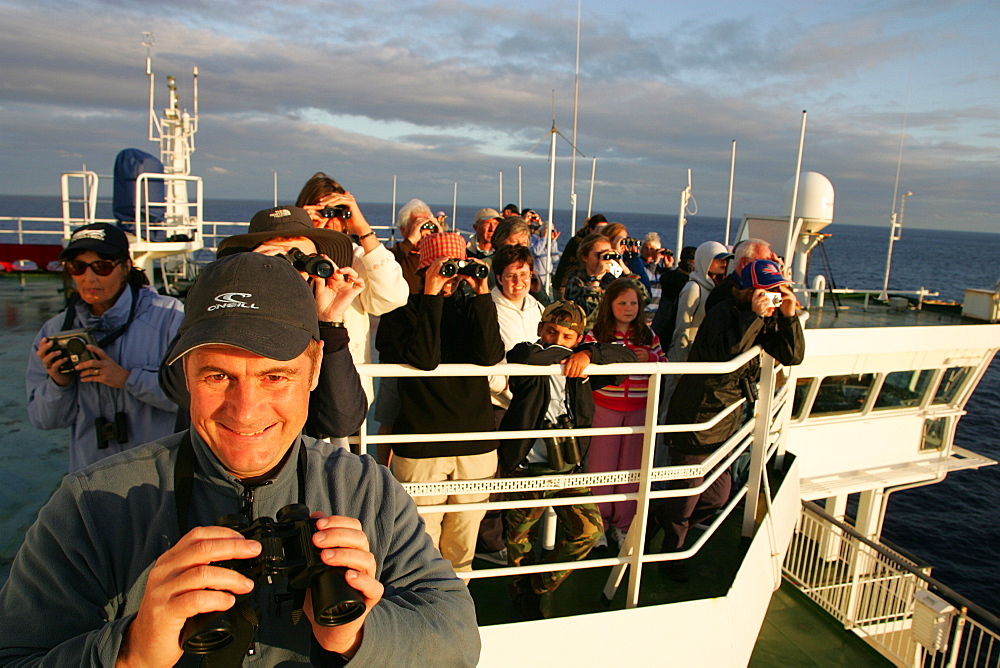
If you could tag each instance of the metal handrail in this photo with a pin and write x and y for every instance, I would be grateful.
(748, 436)
(978, 611)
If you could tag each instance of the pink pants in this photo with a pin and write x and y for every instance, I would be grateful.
(616, 453)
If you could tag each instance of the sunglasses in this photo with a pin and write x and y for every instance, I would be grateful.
(99, 267)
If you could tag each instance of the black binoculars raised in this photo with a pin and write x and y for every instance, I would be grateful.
(287, 552)
(561, 450)
(611, 256)
(314, 265)
(341, 211)
(464, 268)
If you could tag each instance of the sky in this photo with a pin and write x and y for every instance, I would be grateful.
(439, 92)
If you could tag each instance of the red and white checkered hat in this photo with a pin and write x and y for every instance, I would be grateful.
(449, 245)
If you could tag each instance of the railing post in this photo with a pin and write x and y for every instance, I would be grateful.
(758, 450)
(635, 541)
(955, 641)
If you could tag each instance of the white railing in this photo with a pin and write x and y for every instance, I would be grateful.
(820, 294)
(886, 599)
(762, 438)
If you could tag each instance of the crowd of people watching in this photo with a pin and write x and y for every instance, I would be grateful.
(206, 384)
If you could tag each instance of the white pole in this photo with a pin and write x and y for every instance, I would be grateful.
(520, 203)
(576, 107)
(895, 234)
(275, 187)
(729, 209)
(552, 175)
(500, 207)
(454, 208)
(795, 195)
(593, 174)
(392, 222)
(681, 218)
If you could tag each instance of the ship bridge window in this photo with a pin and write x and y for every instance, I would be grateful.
(903, 389)
(952, 381)
(934, 434)
(802, 388)
(839, 395)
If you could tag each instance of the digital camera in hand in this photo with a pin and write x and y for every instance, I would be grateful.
(314, 265)
(464, 268)
(287, 554)
(341, 211)
(776, 298)
(73, 345)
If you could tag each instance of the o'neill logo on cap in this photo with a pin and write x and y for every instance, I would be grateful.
(229, 300)
(88, 234)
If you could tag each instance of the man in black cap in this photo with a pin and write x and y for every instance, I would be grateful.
(127, 551)
(339, 405)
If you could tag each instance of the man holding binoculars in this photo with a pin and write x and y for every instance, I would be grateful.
(128, 550)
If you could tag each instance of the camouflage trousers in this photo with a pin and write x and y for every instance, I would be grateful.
(579, 527)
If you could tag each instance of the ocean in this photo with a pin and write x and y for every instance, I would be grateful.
(952, 525)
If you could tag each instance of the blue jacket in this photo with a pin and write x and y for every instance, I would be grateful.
(149, 414)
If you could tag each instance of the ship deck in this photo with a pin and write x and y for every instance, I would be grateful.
(795, 631)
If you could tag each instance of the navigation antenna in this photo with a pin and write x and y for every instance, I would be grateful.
(552, 178)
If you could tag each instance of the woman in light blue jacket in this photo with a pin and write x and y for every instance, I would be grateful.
(108, 397)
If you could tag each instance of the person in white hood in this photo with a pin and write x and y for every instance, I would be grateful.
(710, 262)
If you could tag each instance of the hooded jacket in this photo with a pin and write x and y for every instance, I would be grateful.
(691, 302)
(729, 329)
(149, 414)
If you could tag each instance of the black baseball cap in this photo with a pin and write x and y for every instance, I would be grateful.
(252, 301)
(290, 221)
(98, 237)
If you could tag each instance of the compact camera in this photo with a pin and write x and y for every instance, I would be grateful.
(341, 211)
(73, 346)
(287, 553)
(314, 265)
(776, 298)
(464, 268)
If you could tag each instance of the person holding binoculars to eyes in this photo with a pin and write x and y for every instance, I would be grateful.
(99, 379)
(600, 264)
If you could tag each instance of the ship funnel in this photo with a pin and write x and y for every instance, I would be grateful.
(815, 201)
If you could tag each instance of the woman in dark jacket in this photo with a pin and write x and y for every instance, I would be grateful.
(730, 328)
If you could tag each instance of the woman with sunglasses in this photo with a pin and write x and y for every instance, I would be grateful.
(112, 401)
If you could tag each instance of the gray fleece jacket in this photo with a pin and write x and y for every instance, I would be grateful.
(78, 579)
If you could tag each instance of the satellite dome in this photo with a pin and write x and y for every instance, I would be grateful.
(815, 201)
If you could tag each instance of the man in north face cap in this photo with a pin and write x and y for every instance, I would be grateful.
(127, 550)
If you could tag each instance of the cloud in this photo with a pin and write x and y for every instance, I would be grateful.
(448, 91)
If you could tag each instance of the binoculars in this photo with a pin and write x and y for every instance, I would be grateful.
(341, 211)
(561, 450)
(464, 268)
(314, 265)
(287, 552)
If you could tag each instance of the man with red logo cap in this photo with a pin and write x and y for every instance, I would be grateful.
(452, 320)
(762, 312)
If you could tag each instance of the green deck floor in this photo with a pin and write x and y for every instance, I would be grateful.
(797, 632)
